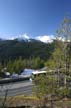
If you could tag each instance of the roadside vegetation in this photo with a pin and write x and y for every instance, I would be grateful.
(34, 102)
(56, 85)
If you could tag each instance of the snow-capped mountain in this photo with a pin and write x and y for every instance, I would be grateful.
(26, 38)
(21, 39)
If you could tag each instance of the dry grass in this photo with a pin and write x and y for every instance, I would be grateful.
(21, 101)
(34, 101)
(63, 103)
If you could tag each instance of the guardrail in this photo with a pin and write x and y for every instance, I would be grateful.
(10, 80)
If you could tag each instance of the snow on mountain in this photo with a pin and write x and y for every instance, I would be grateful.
(44, 38)
(25, 37)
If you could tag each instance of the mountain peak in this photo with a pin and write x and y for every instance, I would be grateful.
(27, 38)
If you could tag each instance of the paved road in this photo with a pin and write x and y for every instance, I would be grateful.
(16, 88)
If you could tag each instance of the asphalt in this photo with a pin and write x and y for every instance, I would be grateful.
(16, 88)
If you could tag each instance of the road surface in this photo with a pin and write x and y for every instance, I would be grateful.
(16, 88)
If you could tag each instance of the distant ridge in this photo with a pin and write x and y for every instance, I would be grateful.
(12, 49)
(28, 39)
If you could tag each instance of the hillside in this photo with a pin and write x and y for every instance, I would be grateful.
(12, 49)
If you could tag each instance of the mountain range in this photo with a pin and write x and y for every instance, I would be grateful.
(26, 37)
(26, 48)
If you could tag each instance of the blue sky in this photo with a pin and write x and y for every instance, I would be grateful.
(34, 18)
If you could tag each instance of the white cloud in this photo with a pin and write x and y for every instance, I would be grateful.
(43, 38)
(25, 35)
(22, 36)
(46, 38)
(11, 38)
